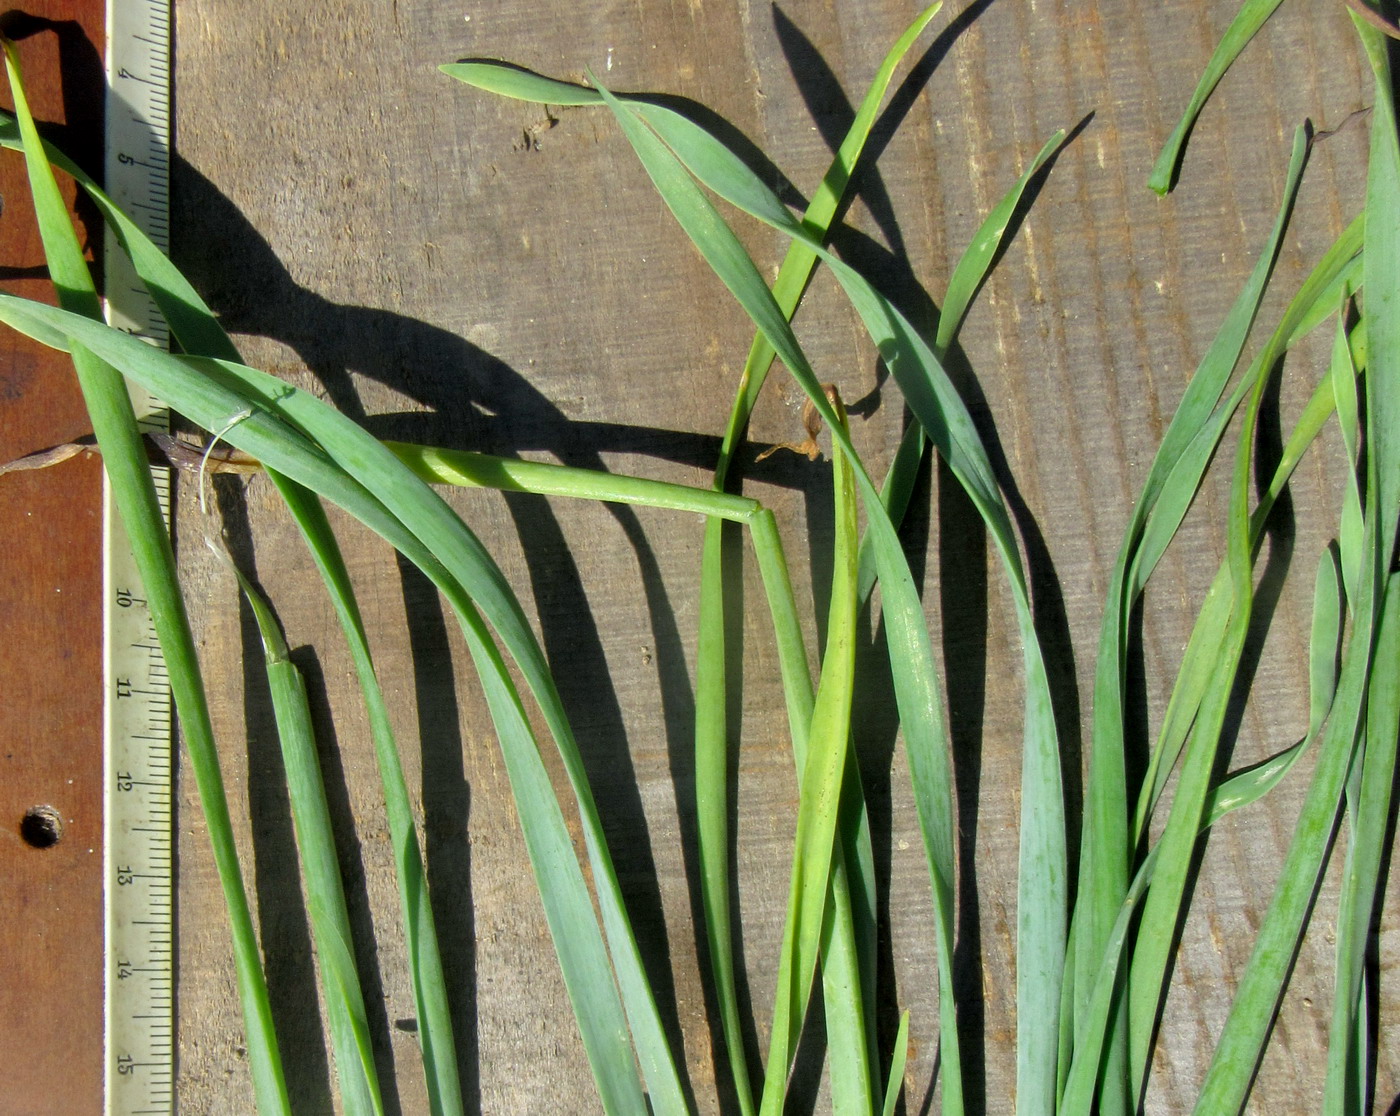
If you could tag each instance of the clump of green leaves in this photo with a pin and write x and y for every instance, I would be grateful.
(1092, 976)
(1355, 768)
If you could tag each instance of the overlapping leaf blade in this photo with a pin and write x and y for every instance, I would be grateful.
(1247, 1027)
(114, 422)
(420, 525)
(320, 868)
(197, 330)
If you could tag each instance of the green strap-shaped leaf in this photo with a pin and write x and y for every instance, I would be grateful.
(1163, 908)
(1167, 493)
(1352, 529)
(910, 653)
(186, 313)
(420, 932)
(854, 936)
(1041, 905)
(124, 457)
(431, 536)
(1247, 1027)
(1251, 16)
(821, 774)
(969, 274)
(895, 1084)
(1198, 663)
(197, 330)
(320, 866)
(1369, 808)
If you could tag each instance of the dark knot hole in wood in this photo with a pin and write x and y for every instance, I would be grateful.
(41, 827)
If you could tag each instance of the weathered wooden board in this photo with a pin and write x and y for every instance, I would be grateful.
(484, 274)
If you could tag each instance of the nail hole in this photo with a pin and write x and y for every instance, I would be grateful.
(41, 827)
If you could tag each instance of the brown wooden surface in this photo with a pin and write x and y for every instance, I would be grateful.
(465, 270)
(50, 641)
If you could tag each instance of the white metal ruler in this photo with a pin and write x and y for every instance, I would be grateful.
(138, 764)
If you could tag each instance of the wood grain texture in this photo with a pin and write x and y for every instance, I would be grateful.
(50, 636)
(473, 272)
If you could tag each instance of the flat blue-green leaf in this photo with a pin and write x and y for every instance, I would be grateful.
(711, 725)
(969, 274)
(1251, 16)
(1352, 529)
(320, 866)
(1168, 491)
(198, 331)
(895, 1083)
(420, 933)
(421, 526)
(822, 776)
(124, 457)
(1162, 910)
(1236, 1059)
(1369, 810)
(910, 653)
(976, 261)
(1199, 663)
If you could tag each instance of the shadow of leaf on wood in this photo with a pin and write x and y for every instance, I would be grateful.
(471, 399)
